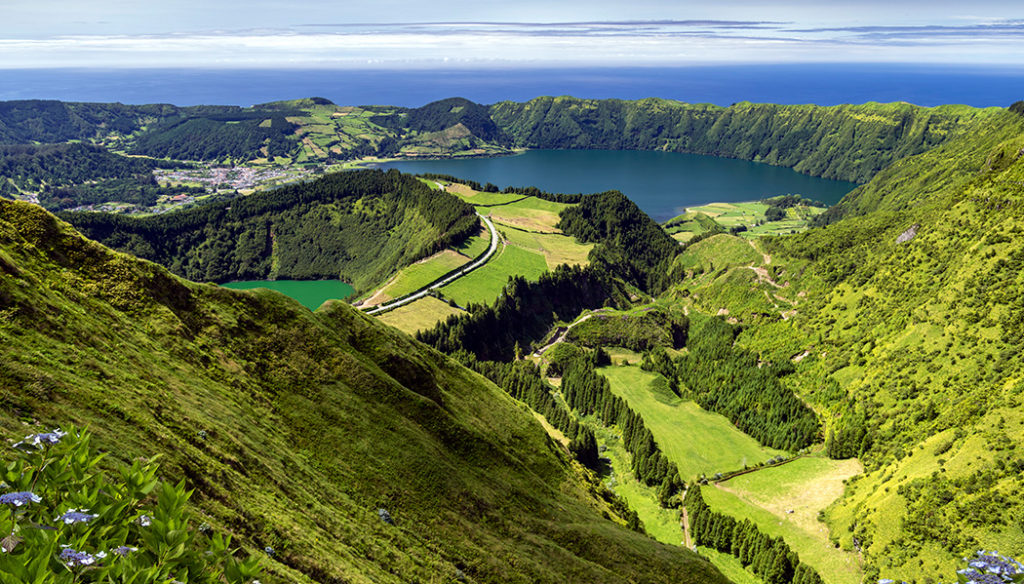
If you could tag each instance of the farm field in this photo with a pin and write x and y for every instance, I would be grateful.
(419, 315)
(556, 248)
(749, 214)
(811, 543)
(423, 272)
(529, 214)
(698, 441)
(485, 283)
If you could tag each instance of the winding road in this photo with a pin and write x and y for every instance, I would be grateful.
(445, 280)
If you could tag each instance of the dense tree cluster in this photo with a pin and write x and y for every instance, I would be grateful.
(443, 114)
(730, 381)
(241, 137)
(524, 312)
(638, 332)
(630, 244)
(360, 225)
(768, 557)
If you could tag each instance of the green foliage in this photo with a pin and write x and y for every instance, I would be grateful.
(358, 225)
(638, 330)
(443, 114)
(81, 525)
(630, 244)
(239, 137)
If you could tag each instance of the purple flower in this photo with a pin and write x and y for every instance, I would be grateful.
(74, 559)
(76, 516)
(144, 520)
(19, 498)
(43, 439)
(123, 550)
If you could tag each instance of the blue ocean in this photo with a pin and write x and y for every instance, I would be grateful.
(786, 84)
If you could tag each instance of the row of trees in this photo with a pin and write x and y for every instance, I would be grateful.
(768, 557)
(525, 311)
(731, 381)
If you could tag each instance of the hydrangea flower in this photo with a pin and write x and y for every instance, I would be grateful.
(76, 516)
(42, 439)
(73, 558)
(124, 550)
(19, 498)
(269, 551)
(144, 520)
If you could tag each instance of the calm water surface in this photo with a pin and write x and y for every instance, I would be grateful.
(663, 184)
(310, 293)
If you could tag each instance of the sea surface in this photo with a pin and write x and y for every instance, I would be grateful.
(822, 84)
(662, 184)
(309, 293)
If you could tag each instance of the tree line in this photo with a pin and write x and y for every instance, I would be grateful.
(769, 557)
(731, 381)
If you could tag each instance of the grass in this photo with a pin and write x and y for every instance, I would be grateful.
(418, 315)
(834, 566)
(530, 214)
(730, 566)
(698, 441)
(557, 249)
(355, 417)
(485, 283)
(718, 252)
(474, 246)
(752, 216)
(660, 523)
(423, 272)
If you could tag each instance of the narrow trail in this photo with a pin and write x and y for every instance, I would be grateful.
(684, 522)
(444, 280)
(563, 331)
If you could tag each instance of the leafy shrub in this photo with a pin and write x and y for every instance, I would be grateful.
(63, 520)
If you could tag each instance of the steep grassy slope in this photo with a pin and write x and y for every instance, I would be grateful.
(360, 226)
(848, 142)
(297, 428)
(905, 329)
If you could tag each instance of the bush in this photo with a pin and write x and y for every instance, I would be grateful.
(66, 521)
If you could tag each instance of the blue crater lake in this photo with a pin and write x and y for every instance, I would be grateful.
(309, 293)
(663, 184)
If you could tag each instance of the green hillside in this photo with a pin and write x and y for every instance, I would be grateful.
(353, 452)
(359, 226)
(847, 142)
(903, 326)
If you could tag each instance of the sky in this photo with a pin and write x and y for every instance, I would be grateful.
(488, 33)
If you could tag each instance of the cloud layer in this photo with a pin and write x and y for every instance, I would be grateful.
(521, 43)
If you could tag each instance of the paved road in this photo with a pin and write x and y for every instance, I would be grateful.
(495, 240)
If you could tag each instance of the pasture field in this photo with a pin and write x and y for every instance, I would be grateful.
(834, 565)
(730, 566)
(475, 245)
(529, 214)
(423, 272)
(557, 249)
(698, 441)
(419, 315)
(717, 252)
(484, 284)
(752, 213)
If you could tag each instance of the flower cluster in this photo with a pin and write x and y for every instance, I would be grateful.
(76, 516)
(986, 568)
(58, 510)
(75, 559)
(19, 498)
(42, 439)
(990, 568)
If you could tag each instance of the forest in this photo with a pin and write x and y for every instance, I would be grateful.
(359, 226)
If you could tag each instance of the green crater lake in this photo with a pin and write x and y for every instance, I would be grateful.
(309, 293)
(663, 184)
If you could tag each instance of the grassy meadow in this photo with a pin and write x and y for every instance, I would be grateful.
(698, 441)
